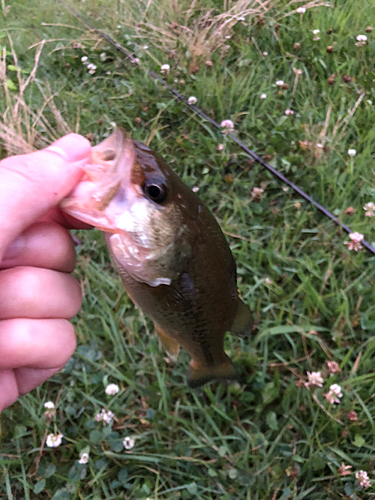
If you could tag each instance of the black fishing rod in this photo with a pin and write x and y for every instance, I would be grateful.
(251, 153)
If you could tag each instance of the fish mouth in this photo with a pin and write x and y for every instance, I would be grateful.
(106, 177)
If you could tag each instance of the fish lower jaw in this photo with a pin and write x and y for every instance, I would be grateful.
(101, 223)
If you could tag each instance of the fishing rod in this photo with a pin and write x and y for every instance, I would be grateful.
(195, 108)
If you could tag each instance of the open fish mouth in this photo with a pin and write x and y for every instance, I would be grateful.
(107, 177)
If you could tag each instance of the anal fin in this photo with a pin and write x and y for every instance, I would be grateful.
(199, 375)
(243, 322)
(171, 346)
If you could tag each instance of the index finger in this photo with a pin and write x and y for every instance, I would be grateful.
(32, 184)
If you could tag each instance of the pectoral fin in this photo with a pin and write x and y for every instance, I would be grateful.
(200, 374)
(243, 322)
(171, 346)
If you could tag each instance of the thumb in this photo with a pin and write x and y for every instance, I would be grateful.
(32, 184)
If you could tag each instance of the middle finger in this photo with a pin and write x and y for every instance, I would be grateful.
(31, 292)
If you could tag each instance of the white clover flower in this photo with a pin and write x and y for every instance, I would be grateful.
(105, 416)
(316, 32)
(279, 83)
(108, 417)
(99, 416)
(241, 18)
(356, 236)
(301, 10)
(54, 440)
(145, 47)
(355, 241)
(336, 389)
(103, 56)
(84, 59)
(344, 470)
(334, 394)
(315, 378)
(227, 126)
(333, 367)
(195, 189)
(256, 193)
(331, 398)
(128, 443)
(289, 112)
(84, 458)
(112, 389)
(91, 66)
(220, 147)
(265, 53)
(370, 209)
(361, 40)
(192, 100)
(352, 152)
(50, 410)
(263, 96)
(363, 479)
(165, 68)
(268, 281)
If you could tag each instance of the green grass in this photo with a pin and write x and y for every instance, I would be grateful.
(265, 437)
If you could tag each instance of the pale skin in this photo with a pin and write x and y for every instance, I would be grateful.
(38, 294)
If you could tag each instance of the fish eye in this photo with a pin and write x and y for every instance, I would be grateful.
(155, 192)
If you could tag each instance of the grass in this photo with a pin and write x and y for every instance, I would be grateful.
(266, 437)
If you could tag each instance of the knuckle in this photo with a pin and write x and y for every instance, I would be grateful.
(65, 343)
(74, 297)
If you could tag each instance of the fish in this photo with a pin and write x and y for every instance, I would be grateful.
(169, 250)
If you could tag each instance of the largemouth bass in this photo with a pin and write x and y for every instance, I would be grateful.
(172, 256)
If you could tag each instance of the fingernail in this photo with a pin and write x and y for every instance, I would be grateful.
(15, 248)
(72, 148)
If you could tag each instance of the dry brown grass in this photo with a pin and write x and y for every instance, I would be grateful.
(179, 28)
(189, 28)
(319, 136)
(285, 11)
(22, 128)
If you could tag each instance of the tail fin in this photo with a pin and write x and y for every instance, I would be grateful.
(243, 322)
(200, 375)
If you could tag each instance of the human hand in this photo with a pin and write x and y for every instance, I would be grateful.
(37, 292)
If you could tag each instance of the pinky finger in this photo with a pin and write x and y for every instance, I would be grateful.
(8, 388)
(16, 383)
